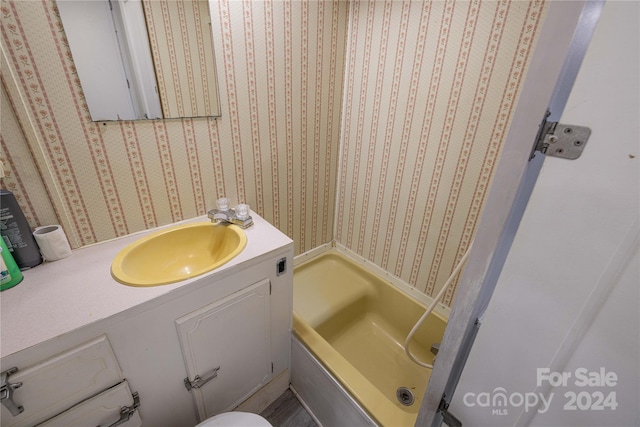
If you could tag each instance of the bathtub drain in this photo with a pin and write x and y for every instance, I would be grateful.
(405, 396)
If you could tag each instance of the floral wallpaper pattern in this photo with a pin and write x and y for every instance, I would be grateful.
(374, 123)
(110, 179)
(429, 92)
(182, 49)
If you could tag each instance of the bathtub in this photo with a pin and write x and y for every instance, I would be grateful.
(354, 324)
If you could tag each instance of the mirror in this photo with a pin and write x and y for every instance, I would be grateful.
(143, 59)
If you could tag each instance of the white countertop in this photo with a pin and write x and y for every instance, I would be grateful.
(58, 297)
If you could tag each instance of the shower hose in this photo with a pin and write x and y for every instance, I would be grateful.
(435, 301)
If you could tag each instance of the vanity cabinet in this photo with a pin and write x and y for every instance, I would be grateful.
(236, 318)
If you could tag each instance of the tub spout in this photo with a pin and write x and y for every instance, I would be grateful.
(435, 348)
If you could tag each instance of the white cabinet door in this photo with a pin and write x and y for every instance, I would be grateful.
(62, 381)
(234, 335)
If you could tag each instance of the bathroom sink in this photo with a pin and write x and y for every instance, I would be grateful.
(177, 253)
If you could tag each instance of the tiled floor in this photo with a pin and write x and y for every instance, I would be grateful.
(287, 411)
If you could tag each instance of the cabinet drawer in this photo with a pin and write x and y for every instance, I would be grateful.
(60, 382)
(102, 410)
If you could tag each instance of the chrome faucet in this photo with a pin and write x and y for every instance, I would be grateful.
(222, 214)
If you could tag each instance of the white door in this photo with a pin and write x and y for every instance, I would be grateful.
(558, 343)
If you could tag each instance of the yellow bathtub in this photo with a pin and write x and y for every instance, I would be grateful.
(355, 324)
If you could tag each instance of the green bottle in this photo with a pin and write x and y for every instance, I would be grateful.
(10, 274)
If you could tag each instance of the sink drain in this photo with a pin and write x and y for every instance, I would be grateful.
(405, 396)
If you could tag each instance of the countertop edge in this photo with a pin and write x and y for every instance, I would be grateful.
(58, 298)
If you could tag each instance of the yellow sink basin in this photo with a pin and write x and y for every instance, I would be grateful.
(177, 253)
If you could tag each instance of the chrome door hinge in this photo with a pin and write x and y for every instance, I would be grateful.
(126, 412)
(560, 140)
(447, 417)
(200, 381)
(6, 392)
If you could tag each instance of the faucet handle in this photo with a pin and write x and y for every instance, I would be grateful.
(222, 204)
(242, 212)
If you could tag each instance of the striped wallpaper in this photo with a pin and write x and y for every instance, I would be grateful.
(429, 92)
(182, 49)
(280, 67)
(376, 124)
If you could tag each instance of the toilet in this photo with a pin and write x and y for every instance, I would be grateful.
(235, 419)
